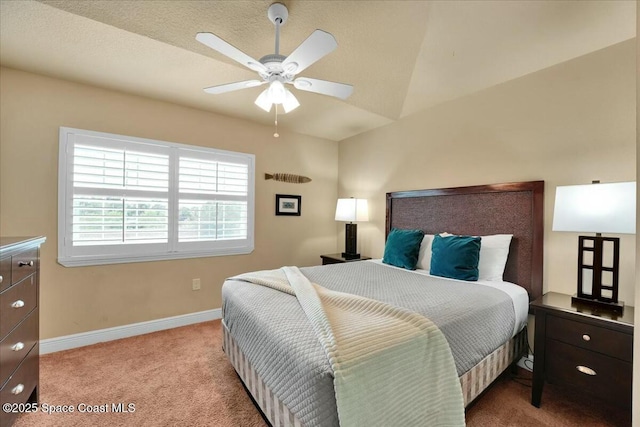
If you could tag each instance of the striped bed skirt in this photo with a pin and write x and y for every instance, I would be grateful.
(473, 382)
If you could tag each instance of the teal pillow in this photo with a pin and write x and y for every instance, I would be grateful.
(455, 257)
(402, 248)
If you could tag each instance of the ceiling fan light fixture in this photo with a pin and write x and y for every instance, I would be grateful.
(290, 102)
(263, 101)
(277, 93)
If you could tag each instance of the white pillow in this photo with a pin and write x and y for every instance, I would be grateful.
(494, 251)
(424, 257)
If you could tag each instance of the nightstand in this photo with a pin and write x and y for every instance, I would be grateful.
(339, 259)
(583, 347)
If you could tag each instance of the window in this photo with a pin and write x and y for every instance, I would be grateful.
(124, 199)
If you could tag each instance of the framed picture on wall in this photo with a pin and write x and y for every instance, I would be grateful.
(287, 204)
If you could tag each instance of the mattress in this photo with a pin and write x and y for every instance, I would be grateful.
(271, 331)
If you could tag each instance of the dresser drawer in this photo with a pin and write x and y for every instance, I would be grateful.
(590, 337)
(20, 385)
(610, 379)
(17, 302)
(24, 264)
(15, 346)
(5, 273)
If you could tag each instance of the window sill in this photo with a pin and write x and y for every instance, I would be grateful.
(89, 261)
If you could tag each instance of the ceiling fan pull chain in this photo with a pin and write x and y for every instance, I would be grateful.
(276, 134)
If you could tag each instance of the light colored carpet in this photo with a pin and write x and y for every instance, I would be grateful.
(181, 377)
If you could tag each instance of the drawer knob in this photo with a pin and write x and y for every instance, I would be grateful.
(17, 346)
(25, 264)
(1, 279)
(585, 370)
(17, 304)
(17, 389)
(586, 337)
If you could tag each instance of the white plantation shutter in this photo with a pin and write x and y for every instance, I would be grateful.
(213, 198)
(125, 199)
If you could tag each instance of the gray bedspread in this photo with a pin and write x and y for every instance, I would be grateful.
(272, 330)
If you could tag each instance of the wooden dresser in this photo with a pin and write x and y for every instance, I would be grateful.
(584, 347)
(19, 327)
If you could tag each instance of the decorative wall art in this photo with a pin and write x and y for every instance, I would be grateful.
(287, 204)
(287, 177)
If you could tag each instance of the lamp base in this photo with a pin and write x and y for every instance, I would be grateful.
(346, 255)
(617, 307)
(350, 241)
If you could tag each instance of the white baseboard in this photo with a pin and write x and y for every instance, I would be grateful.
(67, 342)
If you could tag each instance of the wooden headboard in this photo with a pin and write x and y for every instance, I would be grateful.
(513, 208)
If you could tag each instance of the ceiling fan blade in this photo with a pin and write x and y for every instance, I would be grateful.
(233, 86)
(217, 44)
(317, 45)
(324, 87)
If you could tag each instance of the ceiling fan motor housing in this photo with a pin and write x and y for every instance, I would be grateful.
(273, 62)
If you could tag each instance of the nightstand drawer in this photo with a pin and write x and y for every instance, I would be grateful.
(16, 303)
(594, 373)
(17, 345)
(591, 337)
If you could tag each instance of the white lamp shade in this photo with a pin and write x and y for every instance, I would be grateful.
(263, 101)
(276, 92)
(290, 102)
(352, 210)
(596, 208)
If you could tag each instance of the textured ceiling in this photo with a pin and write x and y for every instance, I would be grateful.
(400, 56)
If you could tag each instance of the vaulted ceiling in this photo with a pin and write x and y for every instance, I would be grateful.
(400, 56)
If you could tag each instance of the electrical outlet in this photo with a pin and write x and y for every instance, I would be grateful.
(526, 362)
(195, 284)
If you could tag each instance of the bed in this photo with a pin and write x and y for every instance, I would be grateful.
(278, 358)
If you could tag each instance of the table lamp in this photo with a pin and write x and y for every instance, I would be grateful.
(351, 210)
(597, 208)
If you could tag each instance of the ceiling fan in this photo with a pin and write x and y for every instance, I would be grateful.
(278, 70)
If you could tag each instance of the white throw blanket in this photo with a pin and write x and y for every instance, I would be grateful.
(392, 367)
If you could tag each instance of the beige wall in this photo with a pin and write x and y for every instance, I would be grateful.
(568, 124)
(73, 300)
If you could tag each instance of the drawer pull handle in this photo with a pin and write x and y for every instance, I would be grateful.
(585, 370)
(25, 264)
(586, 337)
(17, 389)
(17, 304)
(1, 279)
(17, 346)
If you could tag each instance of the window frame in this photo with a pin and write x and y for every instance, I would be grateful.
(86, 255)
